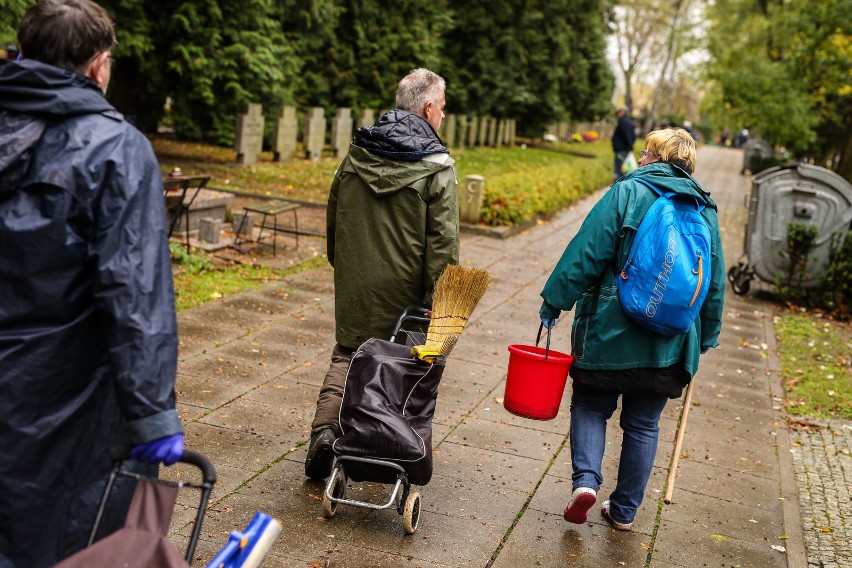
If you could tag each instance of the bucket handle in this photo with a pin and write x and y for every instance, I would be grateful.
(538, 338)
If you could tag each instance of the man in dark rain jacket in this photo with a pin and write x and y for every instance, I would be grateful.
(88, 337)
(392, 229)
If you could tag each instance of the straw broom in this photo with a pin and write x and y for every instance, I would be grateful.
(457, 292)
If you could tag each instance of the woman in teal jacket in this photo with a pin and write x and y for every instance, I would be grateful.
(615, 357)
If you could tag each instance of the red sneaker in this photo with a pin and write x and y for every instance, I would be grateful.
(578, 507)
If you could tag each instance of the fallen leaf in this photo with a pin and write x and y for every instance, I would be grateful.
(718, 537)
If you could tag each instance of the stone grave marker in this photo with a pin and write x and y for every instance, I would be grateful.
(449, 129)
(341, 131)
(367, 118)
(249, 135)
(501, 132)
(471, 199)
(209, 230)
(461, 130)
(315, 124)
(482, 137)
(473, 129)
(284, 134)
(492, 132)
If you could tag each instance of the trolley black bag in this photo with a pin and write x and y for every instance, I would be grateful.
(388, 404)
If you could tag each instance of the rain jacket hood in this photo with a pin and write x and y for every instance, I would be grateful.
(88, 334)
(400, 135)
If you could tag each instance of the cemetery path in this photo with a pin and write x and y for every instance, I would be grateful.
(251, 365)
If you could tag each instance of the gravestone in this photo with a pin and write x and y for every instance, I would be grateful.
(450, 131)
(284, 135)
(461, 130)
(471, 199)
(341, 131)
(492, 132)
(482, 135)
(501, 132)
(209, 230)
(473, 130)
(367, 118)
(249, 135)
(512, 132)
(315, 124)
(562, 131)
(243, 223)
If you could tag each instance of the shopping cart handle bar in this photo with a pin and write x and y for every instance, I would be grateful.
(208, 472)
(415, 314)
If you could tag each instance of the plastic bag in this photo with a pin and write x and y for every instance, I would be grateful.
(629, 164)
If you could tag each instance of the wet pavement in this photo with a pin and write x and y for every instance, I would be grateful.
(251, 365)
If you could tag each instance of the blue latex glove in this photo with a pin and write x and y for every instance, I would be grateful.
(167, 450)
(548, 322)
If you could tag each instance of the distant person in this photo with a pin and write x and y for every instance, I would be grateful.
(614, 356)
(687, 125)
(88, 335)
(725, 136)
(393, 227)
(623, 139)
(742, 138)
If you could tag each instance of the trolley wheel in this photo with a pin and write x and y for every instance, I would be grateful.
(739, 279)
(338, 490)
(411, 512)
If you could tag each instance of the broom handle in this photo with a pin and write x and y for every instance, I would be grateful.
(538, 338)
(681, 430)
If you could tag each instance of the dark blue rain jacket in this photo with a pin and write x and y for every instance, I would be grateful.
(88, 337)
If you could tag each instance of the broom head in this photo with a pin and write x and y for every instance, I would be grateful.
(457, 292)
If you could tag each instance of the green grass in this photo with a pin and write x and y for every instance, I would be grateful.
(816, 365)
(200, 278)
(519, 183)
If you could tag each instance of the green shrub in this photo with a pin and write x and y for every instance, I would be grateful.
(834, 293)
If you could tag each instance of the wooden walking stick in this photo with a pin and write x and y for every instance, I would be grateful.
(681, 429)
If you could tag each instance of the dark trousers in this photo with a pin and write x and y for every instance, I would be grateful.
(331, 393)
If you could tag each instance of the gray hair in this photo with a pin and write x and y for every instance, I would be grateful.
(418, 88)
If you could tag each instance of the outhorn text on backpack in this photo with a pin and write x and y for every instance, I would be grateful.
(662, 285)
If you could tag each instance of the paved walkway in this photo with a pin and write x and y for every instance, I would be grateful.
(250, 368)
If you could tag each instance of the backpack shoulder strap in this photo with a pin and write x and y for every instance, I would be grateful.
(661, 193)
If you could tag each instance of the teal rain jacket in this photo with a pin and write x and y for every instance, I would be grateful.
(602, 337)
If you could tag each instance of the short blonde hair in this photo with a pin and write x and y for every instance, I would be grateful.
(672, 145)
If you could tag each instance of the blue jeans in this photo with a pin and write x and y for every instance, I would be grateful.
(640, 417)
(619, 160)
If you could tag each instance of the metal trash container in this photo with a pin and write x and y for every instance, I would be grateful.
(791, 194)
(758, 155)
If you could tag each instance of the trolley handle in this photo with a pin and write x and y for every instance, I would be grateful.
(538, 338)
(415, 314)
(119, 454)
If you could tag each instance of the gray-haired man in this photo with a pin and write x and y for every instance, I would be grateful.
(392, 228)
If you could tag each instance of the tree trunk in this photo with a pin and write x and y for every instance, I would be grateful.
(844, 166)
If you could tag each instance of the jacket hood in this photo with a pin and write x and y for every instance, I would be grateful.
(400, 135)
(396, 152)
(32, 87)
(672, 178)
(383, 175)
(31, 93)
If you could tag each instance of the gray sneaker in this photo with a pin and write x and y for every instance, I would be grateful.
(612, 522)
(320, 454)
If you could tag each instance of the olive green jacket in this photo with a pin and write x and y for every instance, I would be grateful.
(602, 336)
(393, 226)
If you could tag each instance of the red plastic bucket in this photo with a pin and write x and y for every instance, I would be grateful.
(536, 381)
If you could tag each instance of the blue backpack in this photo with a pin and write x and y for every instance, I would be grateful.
(667, 274)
